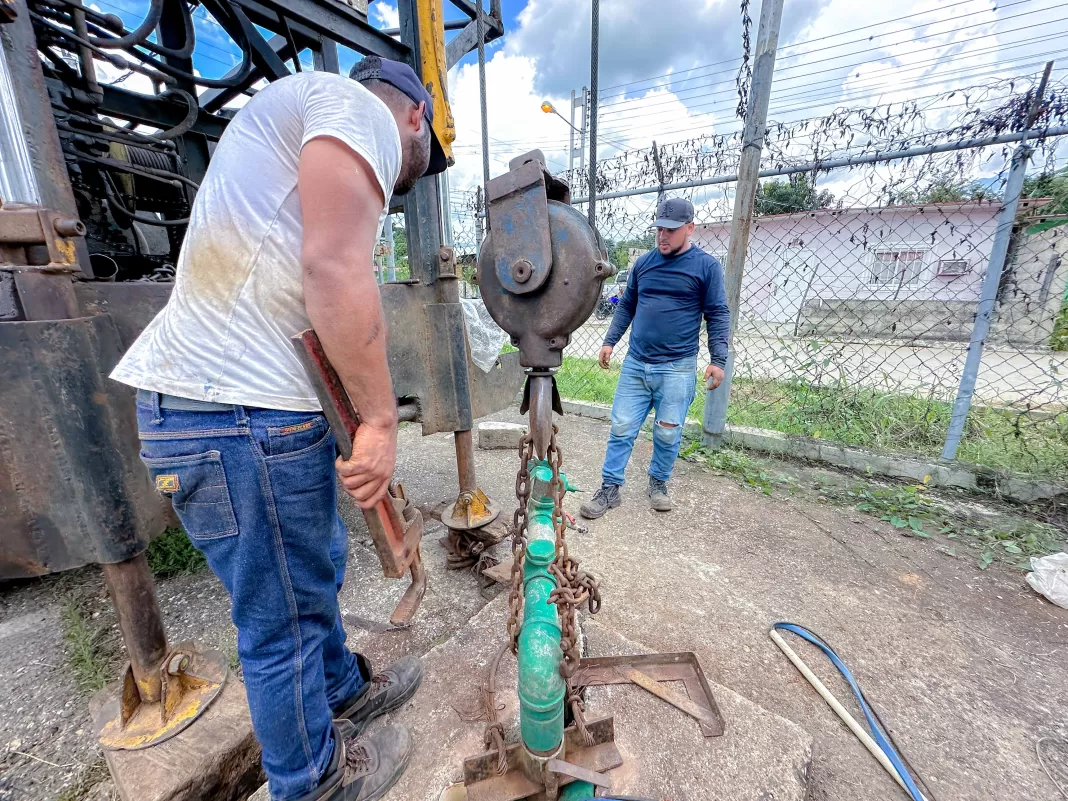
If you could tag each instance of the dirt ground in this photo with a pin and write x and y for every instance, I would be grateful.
(968, 667)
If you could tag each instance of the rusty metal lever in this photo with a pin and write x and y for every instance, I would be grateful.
(396, 526)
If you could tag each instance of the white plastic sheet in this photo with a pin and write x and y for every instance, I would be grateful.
(1049, 577)
(485, 337)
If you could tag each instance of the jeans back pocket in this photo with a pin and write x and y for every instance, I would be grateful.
(196, 485)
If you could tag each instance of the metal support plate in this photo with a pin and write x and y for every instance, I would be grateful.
(681, 666)
(485, 784)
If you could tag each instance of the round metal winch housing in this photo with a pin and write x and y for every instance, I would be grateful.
(541, 321)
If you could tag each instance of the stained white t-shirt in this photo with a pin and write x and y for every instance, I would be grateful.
(224, 335)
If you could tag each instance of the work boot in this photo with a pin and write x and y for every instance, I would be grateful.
(383, 693)
(363, 768)
(607, 497)
(658, 497)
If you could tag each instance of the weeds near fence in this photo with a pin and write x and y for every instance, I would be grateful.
(862, 417)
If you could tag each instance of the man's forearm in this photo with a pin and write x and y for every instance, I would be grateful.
(719, 327)
(344, 308)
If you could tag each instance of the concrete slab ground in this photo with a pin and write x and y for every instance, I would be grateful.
(759, 757)
(969, 667)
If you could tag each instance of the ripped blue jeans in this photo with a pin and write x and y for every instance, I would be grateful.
(669, 388)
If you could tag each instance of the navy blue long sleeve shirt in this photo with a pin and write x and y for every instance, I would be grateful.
(665, 299)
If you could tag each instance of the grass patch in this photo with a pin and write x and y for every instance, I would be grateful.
(865, 418)
(736, 464)
(90, 652)
(1059, 340)
(172, 554)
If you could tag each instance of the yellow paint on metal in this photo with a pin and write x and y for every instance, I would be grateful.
(431, 27)
(144, 728)
(66, 249)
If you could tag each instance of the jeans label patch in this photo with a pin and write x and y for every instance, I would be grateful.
(297, 428)
(167, 482)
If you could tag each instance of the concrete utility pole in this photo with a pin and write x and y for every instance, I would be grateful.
(571, 137)
(756, 115)
(585, 105)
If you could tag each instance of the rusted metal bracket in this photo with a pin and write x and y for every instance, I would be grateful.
(528, 777)
(37, 239)
(647, 670)
(395, 524)
(191, 678)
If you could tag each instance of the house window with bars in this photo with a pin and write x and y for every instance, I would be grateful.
(896, 267)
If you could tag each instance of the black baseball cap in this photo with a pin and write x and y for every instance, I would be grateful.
(674, 212)
(404, 78)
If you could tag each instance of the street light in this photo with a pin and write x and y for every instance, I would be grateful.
(549, 108)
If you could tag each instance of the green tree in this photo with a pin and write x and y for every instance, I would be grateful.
(795, 194)
(619, 252)
(400, 251)
(1052, 185)
(943, 190)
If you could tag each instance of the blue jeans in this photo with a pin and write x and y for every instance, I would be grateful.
(669, 388)
(256, 493)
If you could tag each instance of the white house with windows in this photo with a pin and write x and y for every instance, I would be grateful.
(902, 272)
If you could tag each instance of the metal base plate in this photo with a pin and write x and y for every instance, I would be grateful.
(127, 723)
(471, 511)
(484, 784)
(682, 666)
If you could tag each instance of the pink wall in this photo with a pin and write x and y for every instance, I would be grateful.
(839, 248)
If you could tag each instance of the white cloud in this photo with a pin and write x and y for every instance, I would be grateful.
(385, 15)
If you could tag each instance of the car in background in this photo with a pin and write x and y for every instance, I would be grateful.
(611, 292)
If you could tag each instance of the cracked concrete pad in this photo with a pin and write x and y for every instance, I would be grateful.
(760, 756)
(442, 715)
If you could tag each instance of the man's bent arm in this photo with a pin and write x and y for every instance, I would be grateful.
(625, 309)
(717, 317)
(341, 202)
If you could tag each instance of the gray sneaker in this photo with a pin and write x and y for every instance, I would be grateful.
(607, 497)
(363, 768)
(385, 692)
(658, 497)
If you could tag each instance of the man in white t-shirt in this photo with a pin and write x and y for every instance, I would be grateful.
(281, 238)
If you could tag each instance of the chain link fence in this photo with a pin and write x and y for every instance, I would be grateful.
(862, 276)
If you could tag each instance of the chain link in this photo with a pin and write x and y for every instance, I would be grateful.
(519, 539)
(574, 588)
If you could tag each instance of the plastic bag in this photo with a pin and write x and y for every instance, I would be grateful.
(1050, 577)
(485, 337)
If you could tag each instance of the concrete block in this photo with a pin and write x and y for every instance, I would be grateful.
(500, 436)
(216, 757)
(760, 755)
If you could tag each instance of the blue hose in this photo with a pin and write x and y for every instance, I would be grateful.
(876, 730)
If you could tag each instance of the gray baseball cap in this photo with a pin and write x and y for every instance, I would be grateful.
(674, 212)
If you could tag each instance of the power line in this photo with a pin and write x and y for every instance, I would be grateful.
(811, 41)
(780, 70)
(643, 111)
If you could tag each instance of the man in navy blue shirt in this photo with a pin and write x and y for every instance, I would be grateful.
(668, 291)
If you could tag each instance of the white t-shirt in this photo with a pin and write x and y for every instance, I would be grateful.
(224, 335)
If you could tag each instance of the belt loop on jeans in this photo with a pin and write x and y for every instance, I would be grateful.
(240, 416)
(157, 413)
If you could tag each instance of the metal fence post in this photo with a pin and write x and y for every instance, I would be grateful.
(999, 253)
(715, 416)
(595, 37)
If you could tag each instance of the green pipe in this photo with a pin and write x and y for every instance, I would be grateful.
(577, 791)
(541, 687)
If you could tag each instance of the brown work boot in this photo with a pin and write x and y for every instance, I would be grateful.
(363, 768)
(385, 692)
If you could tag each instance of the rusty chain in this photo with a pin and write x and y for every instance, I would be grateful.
(574, 588)
(519, 539)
